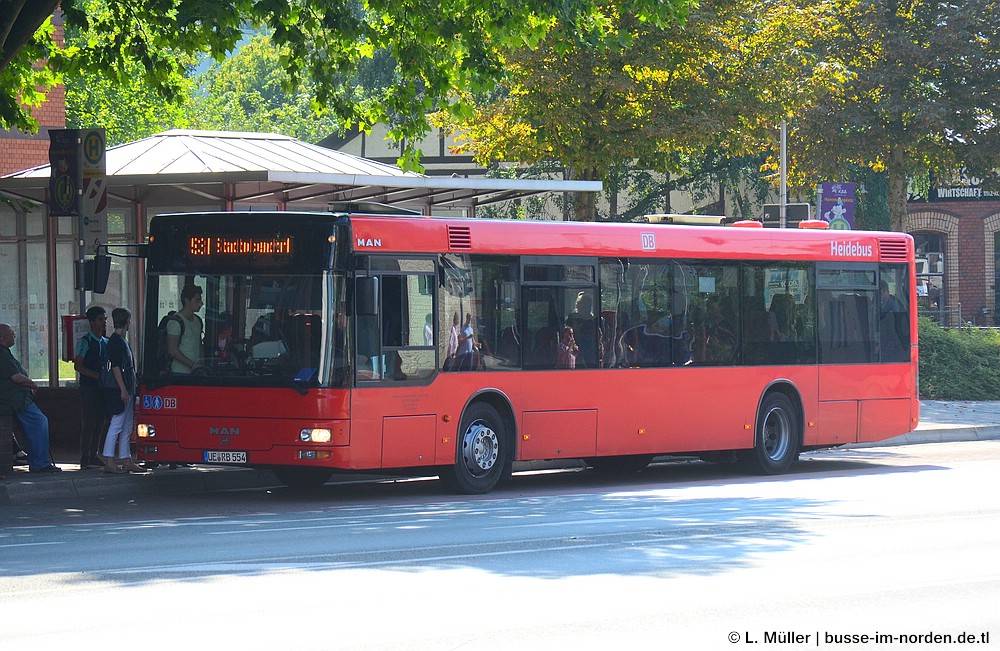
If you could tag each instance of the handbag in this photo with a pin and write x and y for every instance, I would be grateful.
(113, 404)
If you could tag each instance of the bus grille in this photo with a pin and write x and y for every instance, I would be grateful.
(459, 237)
(892, 250)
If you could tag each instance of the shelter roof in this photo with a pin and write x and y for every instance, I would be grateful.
(182, 165)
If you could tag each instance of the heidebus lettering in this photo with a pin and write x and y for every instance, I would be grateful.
(851, 249)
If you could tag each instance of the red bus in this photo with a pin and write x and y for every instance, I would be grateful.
(458, 347)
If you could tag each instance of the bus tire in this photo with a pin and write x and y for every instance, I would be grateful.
(303, 478)
(483, 451)
(776, 440)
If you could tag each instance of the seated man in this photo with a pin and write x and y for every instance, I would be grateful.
(17, 391)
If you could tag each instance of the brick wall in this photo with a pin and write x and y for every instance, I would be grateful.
(968, 228)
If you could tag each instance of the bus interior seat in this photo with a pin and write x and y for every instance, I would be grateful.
(543, 353)
(509, 346)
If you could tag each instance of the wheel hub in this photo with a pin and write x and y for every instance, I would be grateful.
(777, 434)
(480, 449)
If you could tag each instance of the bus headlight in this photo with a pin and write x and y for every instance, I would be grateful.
(315, 435)
(145, 430)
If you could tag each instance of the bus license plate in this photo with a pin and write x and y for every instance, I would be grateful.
(225, 456)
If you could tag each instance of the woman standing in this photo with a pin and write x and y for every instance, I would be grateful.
(122, 401)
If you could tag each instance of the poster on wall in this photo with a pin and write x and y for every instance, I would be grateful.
(64, 172)
(836, 204)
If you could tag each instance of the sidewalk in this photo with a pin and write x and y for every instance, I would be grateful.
(940, 421)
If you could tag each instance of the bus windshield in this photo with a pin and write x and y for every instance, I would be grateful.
(249, 330)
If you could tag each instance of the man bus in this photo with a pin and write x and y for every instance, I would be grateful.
(737, 344)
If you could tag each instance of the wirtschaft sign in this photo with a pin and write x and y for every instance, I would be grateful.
(960, 187)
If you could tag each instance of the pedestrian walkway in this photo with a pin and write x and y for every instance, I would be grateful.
(952, 420)
(940, 421)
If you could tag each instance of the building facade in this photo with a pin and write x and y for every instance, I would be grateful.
(958, 257)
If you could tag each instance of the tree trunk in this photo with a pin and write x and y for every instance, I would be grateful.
(584, 206)
(898, 191)
(585, 203)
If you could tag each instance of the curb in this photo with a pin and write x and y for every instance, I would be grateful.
(96, 484)
(945, 434)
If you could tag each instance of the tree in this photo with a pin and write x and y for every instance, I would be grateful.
(26, 38)
(678, 96)
(246, 92)
(920, 94)
(252, 91)
(437, 48)
(128, 109)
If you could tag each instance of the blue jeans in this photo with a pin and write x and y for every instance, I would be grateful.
(36, 434)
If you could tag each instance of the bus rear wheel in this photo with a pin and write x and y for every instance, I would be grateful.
(776, 442)
(303, 478)
(483, 452)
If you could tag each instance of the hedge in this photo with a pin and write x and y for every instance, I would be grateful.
(959, 364)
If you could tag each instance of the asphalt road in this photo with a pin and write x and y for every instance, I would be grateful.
(898, 542)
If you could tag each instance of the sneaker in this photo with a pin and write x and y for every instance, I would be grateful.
(51, 468)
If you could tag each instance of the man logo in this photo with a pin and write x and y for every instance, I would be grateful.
(370, 242)
(224, 431)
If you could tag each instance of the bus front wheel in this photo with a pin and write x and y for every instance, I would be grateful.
(483, 452)
(776, 442)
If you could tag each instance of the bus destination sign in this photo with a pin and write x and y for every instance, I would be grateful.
(239, 246)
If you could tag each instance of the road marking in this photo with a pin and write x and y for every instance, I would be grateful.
(32, 544)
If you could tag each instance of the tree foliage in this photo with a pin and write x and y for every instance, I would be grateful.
(438, 48)
(919, 94)
(24, 83)
(251, 91)
(129, 108)
(670, 102)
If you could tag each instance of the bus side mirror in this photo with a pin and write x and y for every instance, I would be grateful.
(366, 298)
(93, 274)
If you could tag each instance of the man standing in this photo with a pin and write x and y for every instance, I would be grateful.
(17, 391)
(184, 337)
(89, 351)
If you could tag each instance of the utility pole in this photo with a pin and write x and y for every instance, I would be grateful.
(783, 199)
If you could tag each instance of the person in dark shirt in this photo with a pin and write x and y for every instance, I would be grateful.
(17, 392)
(117, 452)
(93, 408)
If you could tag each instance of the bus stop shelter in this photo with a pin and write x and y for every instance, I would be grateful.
(184, 170)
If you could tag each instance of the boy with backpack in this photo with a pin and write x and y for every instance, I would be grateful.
(183, 333)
